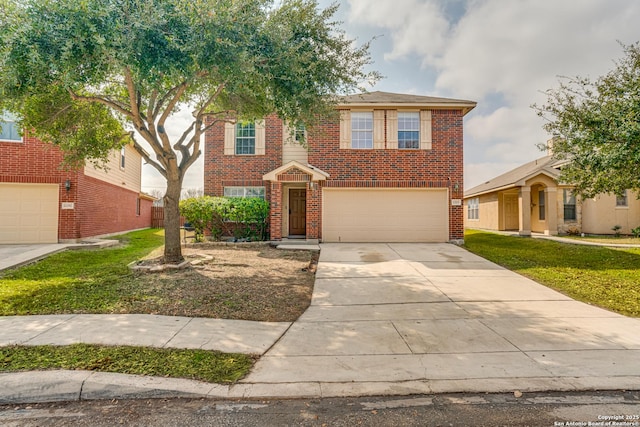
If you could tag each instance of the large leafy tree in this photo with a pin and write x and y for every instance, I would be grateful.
(596, 124)
(82, 72)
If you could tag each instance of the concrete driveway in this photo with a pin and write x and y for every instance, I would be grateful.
(16, 255)
(421, 318)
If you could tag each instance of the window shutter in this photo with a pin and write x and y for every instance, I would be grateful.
(260, 137)
(229, 139)
(378, 129)
(345, 129)
(392, 129)
(425, 130)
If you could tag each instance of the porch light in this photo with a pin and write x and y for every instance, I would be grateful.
(67, 185)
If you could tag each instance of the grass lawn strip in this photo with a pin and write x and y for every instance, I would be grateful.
(606, 277)
(202, 365)
(85, 281)
(244, 282)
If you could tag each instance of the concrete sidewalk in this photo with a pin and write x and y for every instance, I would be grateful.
(12, 256)
(385, 319)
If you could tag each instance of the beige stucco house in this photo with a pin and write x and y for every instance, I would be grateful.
(530, 198)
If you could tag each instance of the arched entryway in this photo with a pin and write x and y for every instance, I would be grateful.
(544, 209)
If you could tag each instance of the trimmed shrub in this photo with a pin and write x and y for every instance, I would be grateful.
(240, 217)
(198, 212)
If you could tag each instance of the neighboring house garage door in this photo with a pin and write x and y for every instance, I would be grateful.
(385, 215)
(28, 213)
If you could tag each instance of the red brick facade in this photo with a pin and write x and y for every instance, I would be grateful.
(439, 167)
(99, 207)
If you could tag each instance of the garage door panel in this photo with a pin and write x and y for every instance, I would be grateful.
(385, 215)
(28, 213)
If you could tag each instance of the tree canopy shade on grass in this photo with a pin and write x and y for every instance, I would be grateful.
(79, 72)
(597, 124)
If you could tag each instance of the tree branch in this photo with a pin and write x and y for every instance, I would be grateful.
(146, 157)
(107, 102)
(184, 135)
(133, 99)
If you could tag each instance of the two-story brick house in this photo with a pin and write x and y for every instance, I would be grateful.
(390, 169)
(42, 203)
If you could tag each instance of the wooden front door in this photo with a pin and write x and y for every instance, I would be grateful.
(297, 212)
(511, 212)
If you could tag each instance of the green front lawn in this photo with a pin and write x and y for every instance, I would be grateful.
(202, 365)
(84, 281)
(607, 277)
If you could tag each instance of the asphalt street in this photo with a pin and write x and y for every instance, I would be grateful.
(536, 409)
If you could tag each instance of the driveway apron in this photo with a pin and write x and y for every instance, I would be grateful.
(396, 318)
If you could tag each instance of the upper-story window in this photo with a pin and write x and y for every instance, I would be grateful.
(382, 129)
(621, 201)
(362, 130)
(122, 157)
(408, 130)
(301, 133)
(245, 138)
(9, 130)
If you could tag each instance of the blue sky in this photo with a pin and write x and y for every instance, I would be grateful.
(501, 54)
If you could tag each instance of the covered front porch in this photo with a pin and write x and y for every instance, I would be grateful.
(295, 201)
(530, 207)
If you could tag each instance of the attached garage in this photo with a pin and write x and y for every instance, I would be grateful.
(385, 215)
(28, 213)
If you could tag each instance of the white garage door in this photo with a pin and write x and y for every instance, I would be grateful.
(28, 213)
(385, 215)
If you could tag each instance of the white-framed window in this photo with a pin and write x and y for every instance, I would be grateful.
(542, 211)
(123, 152)
(473, 208)
(362, 129)
(245, 138)
(408, 130)
(569, 200)
(622, 201)
(9, 130)
(301, 133)
(244, 192)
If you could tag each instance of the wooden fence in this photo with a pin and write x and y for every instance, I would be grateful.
(157, 217)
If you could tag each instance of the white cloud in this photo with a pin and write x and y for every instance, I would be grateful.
(518, 48)
(502, 54)
(425, 36)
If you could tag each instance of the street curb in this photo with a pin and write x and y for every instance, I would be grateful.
(59, 386)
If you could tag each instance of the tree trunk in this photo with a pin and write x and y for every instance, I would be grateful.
(172, 248)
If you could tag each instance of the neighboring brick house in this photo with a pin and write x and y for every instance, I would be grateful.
(42, 203)
(390, 169)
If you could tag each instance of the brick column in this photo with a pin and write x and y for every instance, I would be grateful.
(314, 196)
(275, 212)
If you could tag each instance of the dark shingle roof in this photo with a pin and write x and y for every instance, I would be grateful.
(547, 164)
(388, 98)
